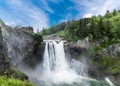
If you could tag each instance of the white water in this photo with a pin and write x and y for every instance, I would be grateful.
(55, 64)
(55, 67)
(109, 82)
(56, 71)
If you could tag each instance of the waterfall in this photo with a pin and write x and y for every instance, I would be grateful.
(54, 57)
(49, 57)
(55, 63)
(55, 69)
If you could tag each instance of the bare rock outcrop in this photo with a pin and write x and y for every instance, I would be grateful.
(23, 47)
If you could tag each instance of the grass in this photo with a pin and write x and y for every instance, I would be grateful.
(13, 82)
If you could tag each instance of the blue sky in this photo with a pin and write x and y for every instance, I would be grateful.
(45, 13)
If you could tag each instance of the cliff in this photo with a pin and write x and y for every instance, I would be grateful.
(23, 47)
(19, 47)
(4, 61)
(6, 68)
(102, 62)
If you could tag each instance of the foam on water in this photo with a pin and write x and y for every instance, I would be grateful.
(56, 65)
(109, 82)
(56, 71)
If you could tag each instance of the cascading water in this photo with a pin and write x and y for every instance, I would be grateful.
(109, 82)
(57, 72)
(55, 63)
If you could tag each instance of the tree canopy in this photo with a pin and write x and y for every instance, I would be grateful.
(106, 28)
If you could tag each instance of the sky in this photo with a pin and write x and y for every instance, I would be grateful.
(46, 13)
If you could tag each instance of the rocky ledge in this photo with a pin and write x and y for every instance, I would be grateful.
(102, 62)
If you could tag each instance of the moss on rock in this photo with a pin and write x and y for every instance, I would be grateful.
(6, 69)
(34, 56)
(15, 73)
(110, 65)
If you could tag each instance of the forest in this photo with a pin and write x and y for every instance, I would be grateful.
(98, 28)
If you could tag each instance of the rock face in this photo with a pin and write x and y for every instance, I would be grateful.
(4, 61)
(83, 48)
(35, 51)
(77, 48)
(5, 66)
(115, 80)
(112, 50)
(18, 47)
(23, 47)
(29, 28)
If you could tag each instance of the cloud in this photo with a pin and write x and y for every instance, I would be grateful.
(87, 15)
(29, 14)
(10, 23)
(38, 15)
(46, 6)
(95, 7)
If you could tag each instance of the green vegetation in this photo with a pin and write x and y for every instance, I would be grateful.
(13, 72)
(37, 37)
(61, 34)
(33, 57)
(54, 29)
(34, 35)
(13, 82)
(10, 75)
(1, 21)
(102, 32)
(111, 65)
(100, 28)
(118, 53)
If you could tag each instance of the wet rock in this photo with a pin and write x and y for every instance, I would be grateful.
(6, 69)
(77, 48)
(4, 61)
(14, 72)
(115, 80)
(23, 47)
(112, 50)
(95, 69)
(18, 47)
